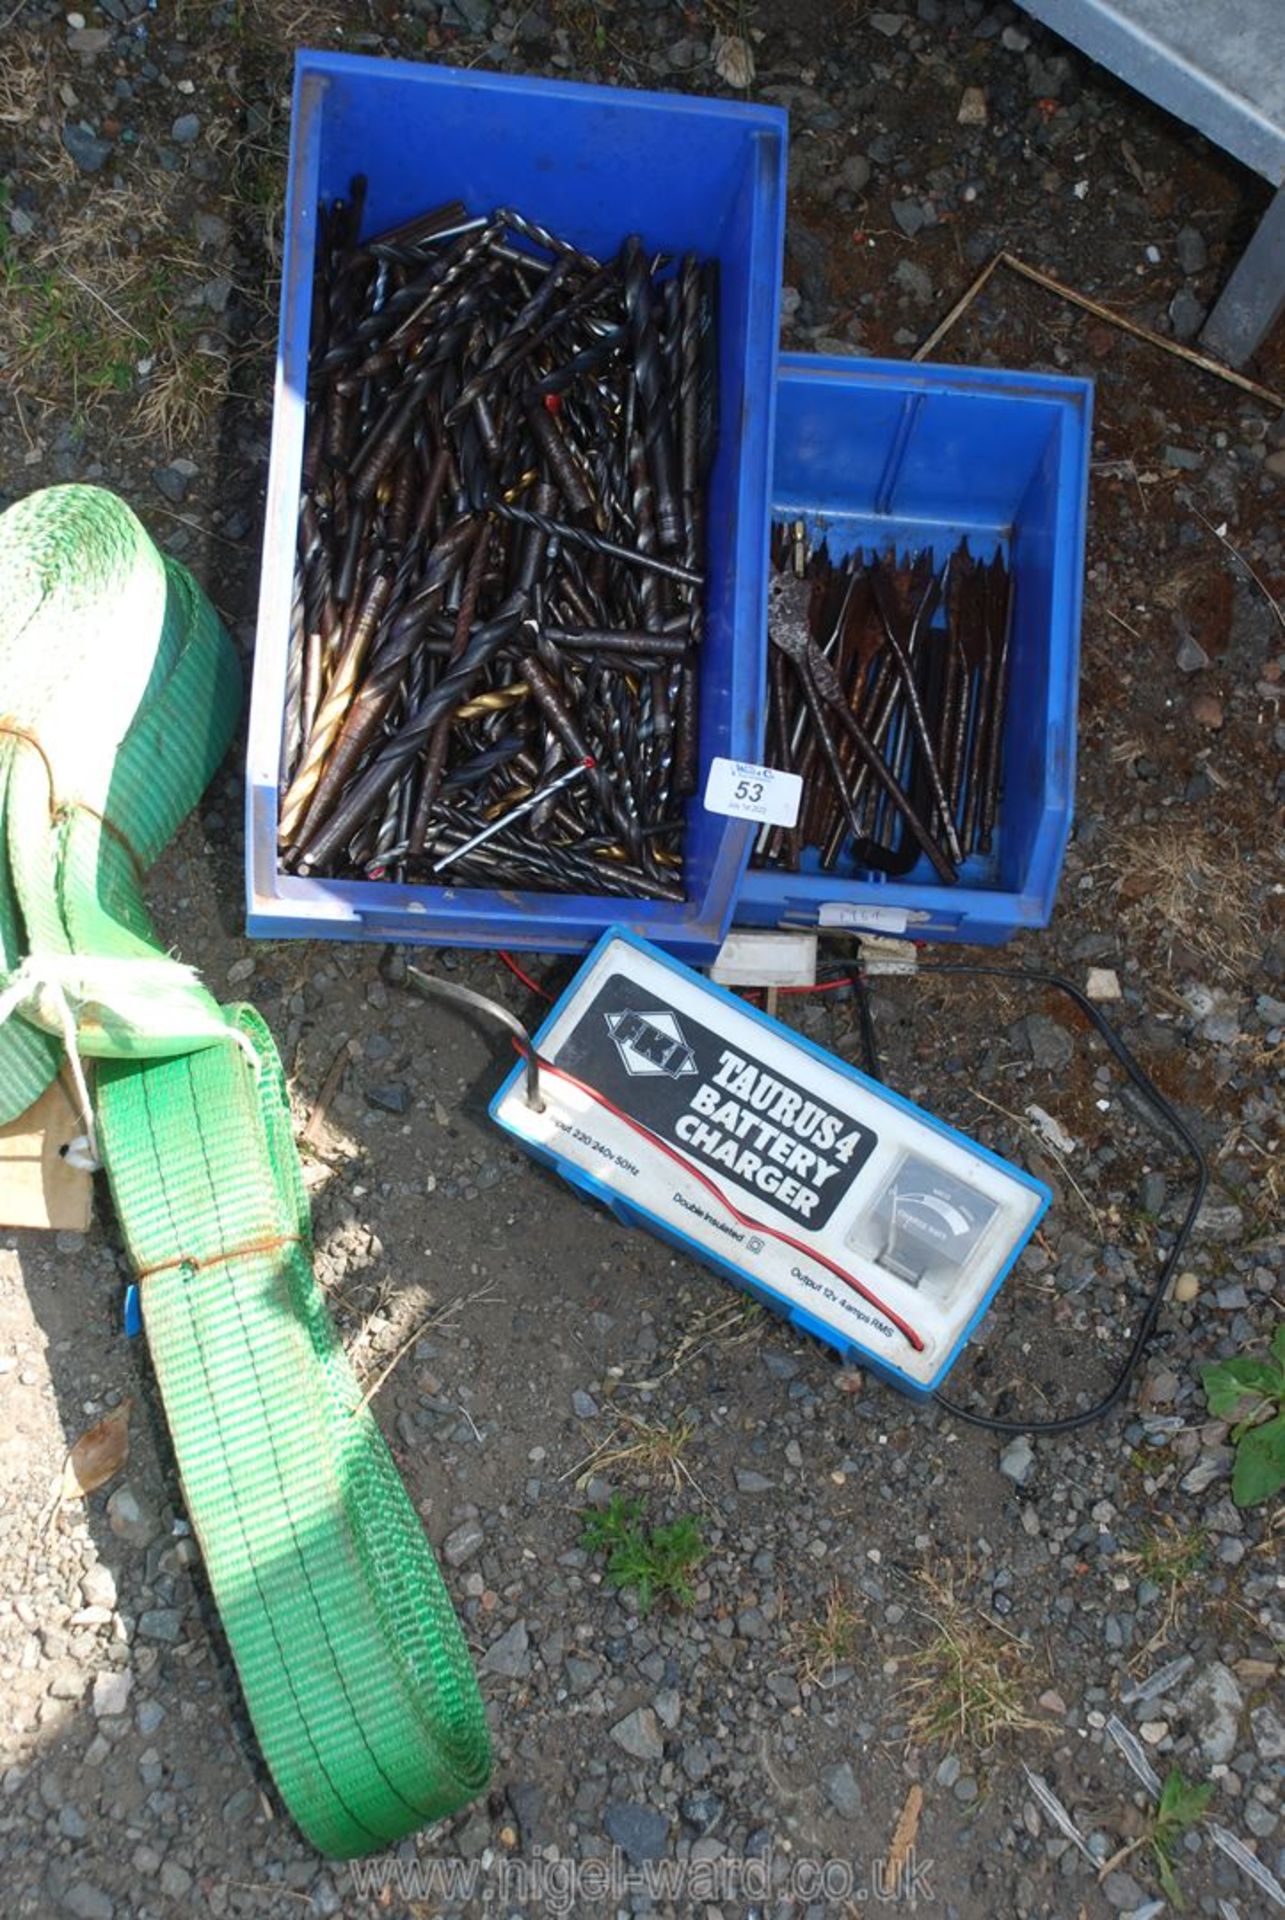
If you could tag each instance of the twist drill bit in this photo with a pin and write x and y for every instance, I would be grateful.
(482, 578)
(581, 536)
(369, 789)
(510, 342)
(542, 237)
(435, 758)
(334, 709)
(649, 372)
(515, 813)
(292, 724)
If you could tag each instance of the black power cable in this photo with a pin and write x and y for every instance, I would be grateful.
(1160, 1106)
(432, 986)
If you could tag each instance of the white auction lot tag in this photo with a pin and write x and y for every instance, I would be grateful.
(743, 791)
(839, 913)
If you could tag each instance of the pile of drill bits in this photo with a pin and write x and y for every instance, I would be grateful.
(887, 689)
(493, 663)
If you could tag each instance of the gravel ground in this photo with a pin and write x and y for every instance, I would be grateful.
(857, 1544)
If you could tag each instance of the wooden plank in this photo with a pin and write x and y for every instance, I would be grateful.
(37, 1187)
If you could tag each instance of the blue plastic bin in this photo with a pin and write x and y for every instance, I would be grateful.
(882, 455)
(595, 164)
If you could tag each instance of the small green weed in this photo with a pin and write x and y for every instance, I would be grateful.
(1170, 1557)
(654, 1561)
(1245, 1390)
(583, 22)
(87, 346)
(1181, 1806)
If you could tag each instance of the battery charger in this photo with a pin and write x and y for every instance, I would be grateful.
(861, 1218)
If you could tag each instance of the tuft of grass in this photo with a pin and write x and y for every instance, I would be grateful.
(1170, 1557)
(655, 1561)
(187, 384)
(24, 78)
(1181, 883)
(717, 1328)
(1181, 1806)
(100, 312)
(968, 1682)
(82, 346)
(586, 25)
(267, 25)
(655, 1448)
(821, 1642)
(258, 168)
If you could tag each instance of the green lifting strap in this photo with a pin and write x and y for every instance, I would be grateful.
(119, 692)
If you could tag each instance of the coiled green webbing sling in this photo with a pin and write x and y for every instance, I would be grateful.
(119, 692)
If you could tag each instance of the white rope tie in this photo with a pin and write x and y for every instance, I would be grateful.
(158, 1004)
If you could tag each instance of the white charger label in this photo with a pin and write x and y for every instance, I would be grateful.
(743, 791)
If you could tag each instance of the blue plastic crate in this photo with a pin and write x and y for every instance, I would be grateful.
(886, 455)
(594, 164)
